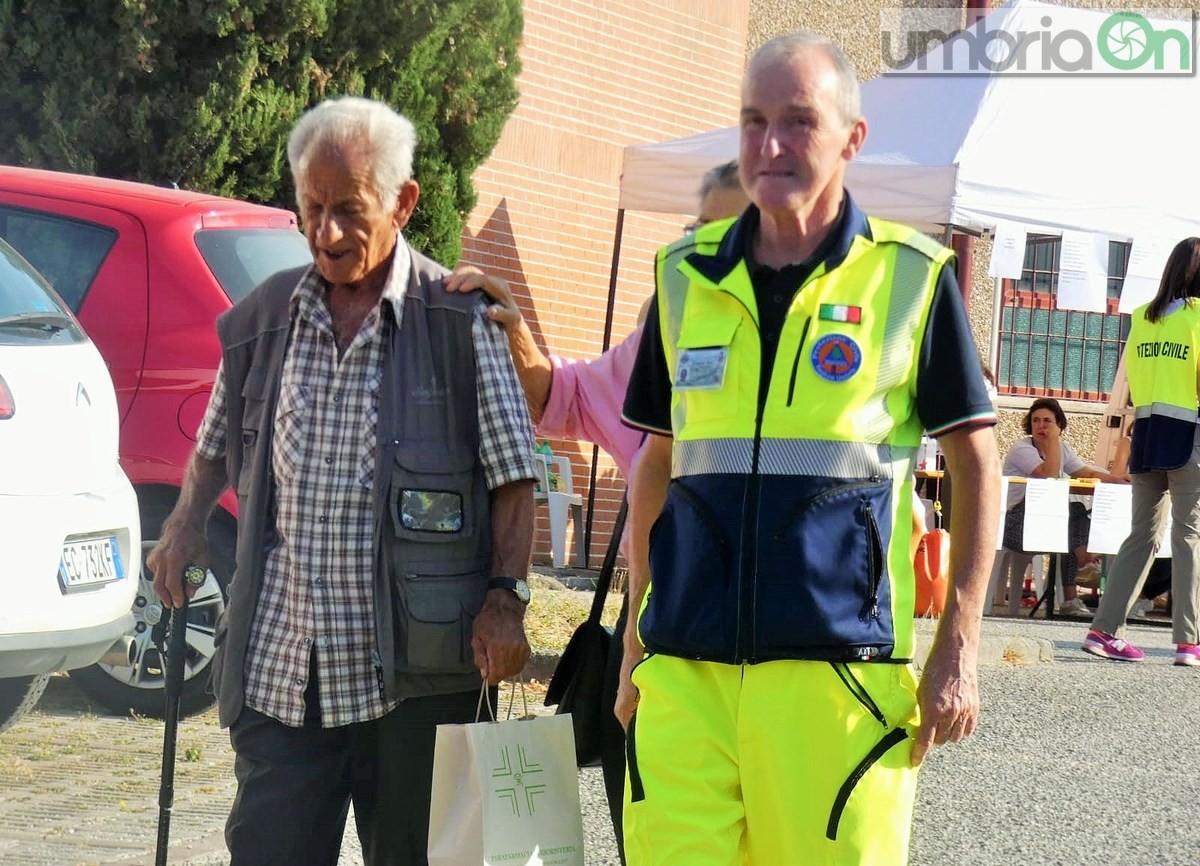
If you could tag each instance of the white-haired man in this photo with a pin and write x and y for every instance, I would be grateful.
(374, 429)
(787, 370)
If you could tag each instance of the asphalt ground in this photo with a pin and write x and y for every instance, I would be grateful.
(1076, 761)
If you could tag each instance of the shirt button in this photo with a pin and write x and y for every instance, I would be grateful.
(337, 398)
(319, 581)
(321, 519)
(328, 461)
(299, 681)
(323, 641)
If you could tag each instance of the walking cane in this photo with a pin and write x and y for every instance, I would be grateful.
(193, 576)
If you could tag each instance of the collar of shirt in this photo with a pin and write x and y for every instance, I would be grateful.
(737, 243)
(308, 298)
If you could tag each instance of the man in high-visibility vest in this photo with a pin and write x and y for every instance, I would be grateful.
(1162, 361)
(791, 362)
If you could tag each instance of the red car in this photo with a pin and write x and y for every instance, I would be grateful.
(147, 270)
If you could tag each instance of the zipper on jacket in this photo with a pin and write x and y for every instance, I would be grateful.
(874, 559)
(893, 737)
(796, 360)
(873, 481)
(858, 690)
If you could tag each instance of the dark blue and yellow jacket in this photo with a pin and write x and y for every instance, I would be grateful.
(776, 539)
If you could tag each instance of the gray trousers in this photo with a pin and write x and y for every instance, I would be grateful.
(1136, 555)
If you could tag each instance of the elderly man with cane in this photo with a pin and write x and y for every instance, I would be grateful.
(378, 439)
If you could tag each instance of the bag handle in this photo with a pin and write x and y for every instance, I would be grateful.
(604, 581)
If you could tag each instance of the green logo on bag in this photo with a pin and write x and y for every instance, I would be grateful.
(520, 788)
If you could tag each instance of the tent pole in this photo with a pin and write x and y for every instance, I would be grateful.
(608, 323)
(994, 337)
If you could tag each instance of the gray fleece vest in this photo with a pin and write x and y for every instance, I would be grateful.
(432, 509)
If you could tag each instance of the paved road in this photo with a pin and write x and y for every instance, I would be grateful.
(1077, 762)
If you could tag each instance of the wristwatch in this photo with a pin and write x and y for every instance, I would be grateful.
(519, 587)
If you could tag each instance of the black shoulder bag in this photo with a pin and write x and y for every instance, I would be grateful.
(577, 685)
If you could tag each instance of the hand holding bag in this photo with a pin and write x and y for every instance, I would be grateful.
(578, 682)
(505, 794)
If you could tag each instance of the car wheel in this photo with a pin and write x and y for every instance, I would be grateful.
(139, 686)
(18, 695)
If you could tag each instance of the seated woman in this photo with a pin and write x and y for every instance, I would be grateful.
(1044, 455)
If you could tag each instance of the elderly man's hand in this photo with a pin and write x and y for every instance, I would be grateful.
(948, 696)
(468, 278)
(180, 545)
(498, 637)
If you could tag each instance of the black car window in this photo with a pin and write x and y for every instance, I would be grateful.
(68, 253)
(240, 259)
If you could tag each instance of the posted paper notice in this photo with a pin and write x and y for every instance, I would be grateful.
(1112, 513)
(1046, 513)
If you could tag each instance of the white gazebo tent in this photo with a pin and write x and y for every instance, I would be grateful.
(1102, 153)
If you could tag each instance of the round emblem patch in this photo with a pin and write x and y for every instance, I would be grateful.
(836, 357)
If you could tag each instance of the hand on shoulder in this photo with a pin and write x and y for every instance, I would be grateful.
(467, 278)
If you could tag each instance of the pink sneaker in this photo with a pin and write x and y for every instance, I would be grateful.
(1187, 654)
(1108, 647)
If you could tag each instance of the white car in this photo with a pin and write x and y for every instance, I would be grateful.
(70, 538)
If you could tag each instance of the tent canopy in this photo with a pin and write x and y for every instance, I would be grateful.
(1109, 154)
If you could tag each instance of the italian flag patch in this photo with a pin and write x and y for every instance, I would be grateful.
(841, 313)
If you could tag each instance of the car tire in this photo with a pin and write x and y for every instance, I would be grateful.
(18, 696)
(138, 688)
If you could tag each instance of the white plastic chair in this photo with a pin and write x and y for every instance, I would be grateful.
(562, 503)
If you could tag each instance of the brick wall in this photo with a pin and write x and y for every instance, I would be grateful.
(596, 78)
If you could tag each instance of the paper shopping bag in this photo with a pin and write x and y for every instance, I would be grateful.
(506, 794)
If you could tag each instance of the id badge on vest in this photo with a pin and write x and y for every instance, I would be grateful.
(701, 369)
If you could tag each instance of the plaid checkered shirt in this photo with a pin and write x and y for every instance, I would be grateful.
(316, 597)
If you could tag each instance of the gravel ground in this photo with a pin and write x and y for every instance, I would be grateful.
(1076, 762)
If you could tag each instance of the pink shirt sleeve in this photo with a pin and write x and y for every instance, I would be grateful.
(586, 398)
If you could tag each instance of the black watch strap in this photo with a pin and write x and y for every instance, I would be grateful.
(519, 587)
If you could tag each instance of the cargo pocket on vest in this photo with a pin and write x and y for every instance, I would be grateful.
(826, 568)
(436, 615)
(702, 368)
(440, 559)
(891, 739)
(690, 587)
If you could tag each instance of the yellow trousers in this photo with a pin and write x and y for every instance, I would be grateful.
(784, 763)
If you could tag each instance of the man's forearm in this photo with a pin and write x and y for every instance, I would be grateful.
(512, 529)
(647, 493)
(973, 463)
(203, 484)
(533, 367)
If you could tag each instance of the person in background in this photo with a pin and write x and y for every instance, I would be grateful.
(1162, 361)
(1156, 590)
(581, 399)
(376, 433)
(789, 365)
(1043, 454)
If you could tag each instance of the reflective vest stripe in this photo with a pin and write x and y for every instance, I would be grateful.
(809, 457)
(1166, 410)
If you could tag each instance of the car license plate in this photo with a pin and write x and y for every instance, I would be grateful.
(88, 562)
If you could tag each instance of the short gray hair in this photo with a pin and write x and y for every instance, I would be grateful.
(385, 136)
(723, 176)
(794, 45)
